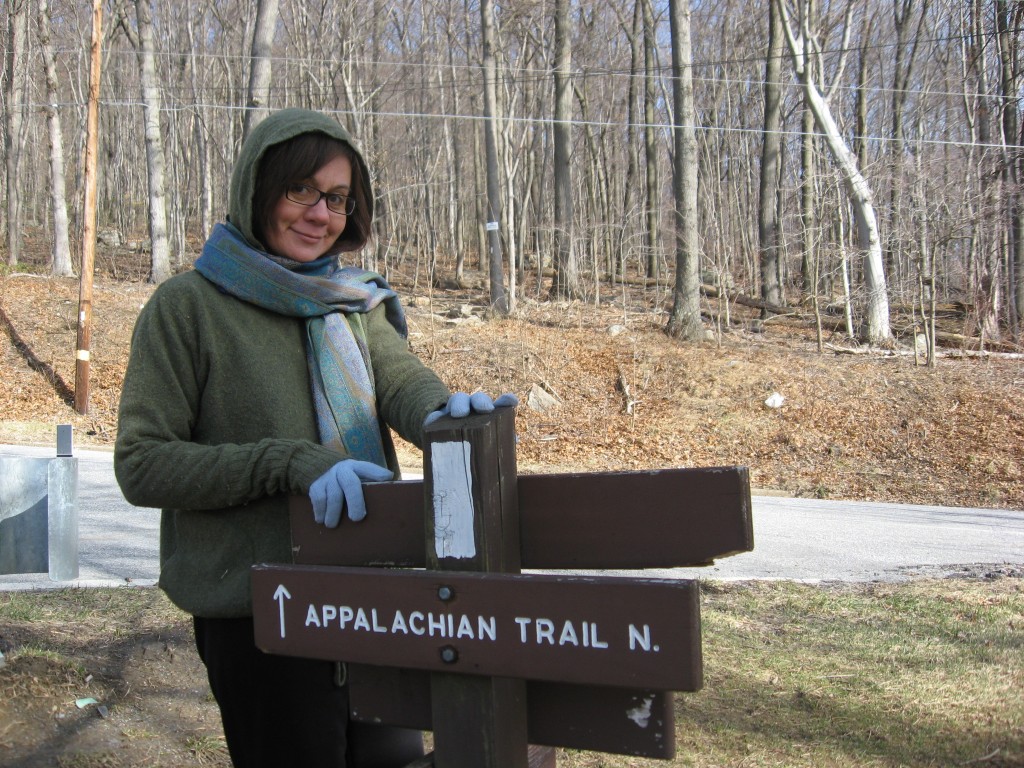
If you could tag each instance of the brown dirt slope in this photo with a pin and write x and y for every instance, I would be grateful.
(872, 426)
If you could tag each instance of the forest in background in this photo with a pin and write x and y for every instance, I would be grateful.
(802, 112)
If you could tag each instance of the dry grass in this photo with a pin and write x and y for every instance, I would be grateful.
(926, 673)
(128, 649)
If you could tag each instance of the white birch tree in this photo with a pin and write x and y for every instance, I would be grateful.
(260, 64)
(142, 41)
(17, 46)
(858, 189)
(60, 261)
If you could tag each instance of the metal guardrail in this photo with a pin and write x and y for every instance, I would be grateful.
(39, 512)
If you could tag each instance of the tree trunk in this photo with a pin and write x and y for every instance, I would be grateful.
(1008, 20)
(599, 186)
(499, 301)
(261, 65)
(454, 152)
(60, 263)
(653, 196)
(382, 208)
(566, 268)
(987, 282)
(808, 200)
(629, 195)
(17, 46)
(858, 190)
(684, 321)
(844, 264)
(513, 212)
(903, 66)
(200, 130)
(769, 235)
(860, 139)
(160, 263)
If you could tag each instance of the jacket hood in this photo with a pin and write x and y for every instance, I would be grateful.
(279, 127)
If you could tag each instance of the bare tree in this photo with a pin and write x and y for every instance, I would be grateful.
(904, 59)
(629, 196)
(142, 41)
(201, 132)
(1008, 28)
(17, 46)
(566, 267)
(261, 64)
(684, 321)
(985, 265)
(860, 136)
(60, 262)
(499, 301)
(858, 189)
(403, 73)
(808, 195)
(451, 103)
(160, 268)
(652, 203)
(768, 224)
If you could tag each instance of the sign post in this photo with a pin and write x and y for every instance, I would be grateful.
(489, 658)
(472, 524)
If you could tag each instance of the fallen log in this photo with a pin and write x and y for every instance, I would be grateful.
(974, 344)
(747, 301)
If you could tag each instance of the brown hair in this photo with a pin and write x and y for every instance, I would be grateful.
(297, 160)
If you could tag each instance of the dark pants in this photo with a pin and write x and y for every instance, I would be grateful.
(283, 711)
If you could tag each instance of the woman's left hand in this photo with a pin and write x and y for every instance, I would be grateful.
(461, 405)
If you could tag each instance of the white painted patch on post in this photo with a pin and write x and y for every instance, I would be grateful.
(453, 500)
(641, 715)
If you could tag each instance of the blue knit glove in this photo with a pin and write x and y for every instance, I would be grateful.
(342, 485)
(460, 405)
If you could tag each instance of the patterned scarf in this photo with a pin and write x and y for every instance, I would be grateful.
(332, 300)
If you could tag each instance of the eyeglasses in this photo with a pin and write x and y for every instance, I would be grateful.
(303, 194)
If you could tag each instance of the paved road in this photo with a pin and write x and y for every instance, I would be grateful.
(799, 539)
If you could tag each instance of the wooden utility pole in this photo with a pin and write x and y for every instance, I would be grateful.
(89, 226)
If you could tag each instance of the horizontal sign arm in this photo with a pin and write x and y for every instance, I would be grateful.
(658, 519)
(598, 718)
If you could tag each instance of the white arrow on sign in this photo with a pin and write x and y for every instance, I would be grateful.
(280, 595)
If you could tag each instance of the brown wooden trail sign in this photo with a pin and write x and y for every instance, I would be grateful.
(488, 658)
(594, 631)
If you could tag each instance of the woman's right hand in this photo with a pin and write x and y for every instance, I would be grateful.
(342, 486)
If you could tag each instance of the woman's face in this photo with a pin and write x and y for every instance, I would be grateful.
(306, 232)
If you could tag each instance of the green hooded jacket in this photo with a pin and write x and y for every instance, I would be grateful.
(217, 424)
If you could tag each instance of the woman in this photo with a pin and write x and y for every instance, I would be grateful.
(267, 371)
